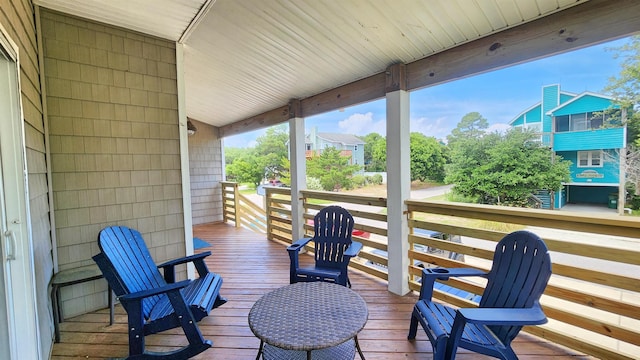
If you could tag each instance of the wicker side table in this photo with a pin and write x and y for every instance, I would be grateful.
(309, 317)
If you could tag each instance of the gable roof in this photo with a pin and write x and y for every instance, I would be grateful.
(344, 139)
(578, 98)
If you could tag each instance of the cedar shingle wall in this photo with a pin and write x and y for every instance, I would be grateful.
(205, 168)
(112, 108)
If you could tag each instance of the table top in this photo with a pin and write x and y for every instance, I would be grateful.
(308, 315)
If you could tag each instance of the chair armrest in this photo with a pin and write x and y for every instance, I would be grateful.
(502, 316)
(353, 249)
(185, 259)
(197, 259)
(429, 276)
(137, 296)
(296, 246)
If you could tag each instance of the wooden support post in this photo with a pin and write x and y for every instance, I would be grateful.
(398, 178)
(298, 168)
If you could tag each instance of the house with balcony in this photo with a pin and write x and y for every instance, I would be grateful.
(350, 146)
(96, 98)
(586, 129)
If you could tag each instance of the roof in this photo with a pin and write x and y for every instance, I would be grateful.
(245, 60)
(345, 139)
(578, 98)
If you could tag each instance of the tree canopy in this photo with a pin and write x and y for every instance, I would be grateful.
(428, 158)
(505, 169)
(333, 170)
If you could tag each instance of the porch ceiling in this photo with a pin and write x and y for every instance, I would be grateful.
(247, 57)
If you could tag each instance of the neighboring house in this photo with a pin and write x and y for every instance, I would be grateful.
(349, 145)
(573, 125)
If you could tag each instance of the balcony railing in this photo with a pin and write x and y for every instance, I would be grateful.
(592, 300)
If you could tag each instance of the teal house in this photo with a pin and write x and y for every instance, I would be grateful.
(581, 129)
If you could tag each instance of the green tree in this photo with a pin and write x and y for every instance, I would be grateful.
(379, 152)
(370, 142)
(625, 88)
(472, 126)
(270, 149)
(428, 158)
(505, 169)
(233, 153)
(246, 169)
(333, 170)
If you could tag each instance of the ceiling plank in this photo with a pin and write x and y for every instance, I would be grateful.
(592, 22)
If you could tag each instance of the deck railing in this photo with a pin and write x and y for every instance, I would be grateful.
(592, 300)
(240, 210)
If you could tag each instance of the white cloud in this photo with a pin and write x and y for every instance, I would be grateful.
(362, 124)
(501, 128)
(439, 128)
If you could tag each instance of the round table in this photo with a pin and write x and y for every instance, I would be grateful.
(308, 316)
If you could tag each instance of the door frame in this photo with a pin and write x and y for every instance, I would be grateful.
(19, 282)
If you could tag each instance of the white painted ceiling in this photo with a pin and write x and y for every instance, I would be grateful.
(246, 57)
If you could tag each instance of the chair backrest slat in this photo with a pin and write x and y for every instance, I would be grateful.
(332, 235)
(130, 259)
(519, 274)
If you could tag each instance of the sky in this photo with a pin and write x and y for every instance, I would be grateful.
(499, 96)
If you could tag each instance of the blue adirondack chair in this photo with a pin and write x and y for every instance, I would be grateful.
(154, 302)
(519, 274)
(333, 248)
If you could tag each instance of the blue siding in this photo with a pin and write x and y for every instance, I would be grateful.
(612, 138)
(534, 115)
(565, 97)
(550, 98)
(519, 121)
(585, 104)
(609, 172)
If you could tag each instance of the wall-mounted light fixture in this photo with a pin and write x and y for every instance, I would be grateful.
(191, 129)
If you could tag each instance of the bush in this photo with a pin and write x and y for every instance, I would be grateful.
(359, 180)
(635, 202)
(313, 183)
(376, 179)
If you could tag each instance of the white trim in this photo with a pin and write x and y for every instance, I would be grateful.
(184, 157)
(591, 184)
(23, 326)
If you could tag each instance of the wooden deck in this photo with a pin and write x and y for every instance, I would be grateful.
(251, 266)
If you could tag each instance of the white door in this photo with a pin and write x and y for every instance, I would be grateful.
(19, 338)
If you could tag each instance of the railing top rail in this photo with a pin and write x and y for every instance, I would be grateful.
(599, 224)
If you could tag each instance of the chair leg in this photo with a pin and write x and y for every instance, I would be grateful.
(358, 347)
(413, 327)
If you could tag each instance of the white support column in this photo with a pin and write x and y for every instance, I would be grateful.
(184, 158)
(298, 169)
(398, 179)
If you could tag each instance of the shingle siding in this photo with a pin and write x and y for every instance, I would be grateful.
(112, 108)
(205, 159)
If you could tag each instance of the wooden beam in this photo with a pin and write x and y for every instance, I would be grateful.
(592, 22)
(354, 93)
(266, 119)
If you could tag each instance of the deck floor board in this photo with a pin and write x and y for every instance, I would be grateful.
(252, 266)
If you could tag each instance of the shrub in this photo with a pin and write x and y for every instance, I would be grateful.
(376, 179)
(359, 180)
(313, 183)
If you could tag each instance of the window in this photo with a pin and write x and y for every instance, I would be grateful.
(355, 147)
(562, 123)
(590, 158)
(579, 122)
(308, 146)
(596, 119)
